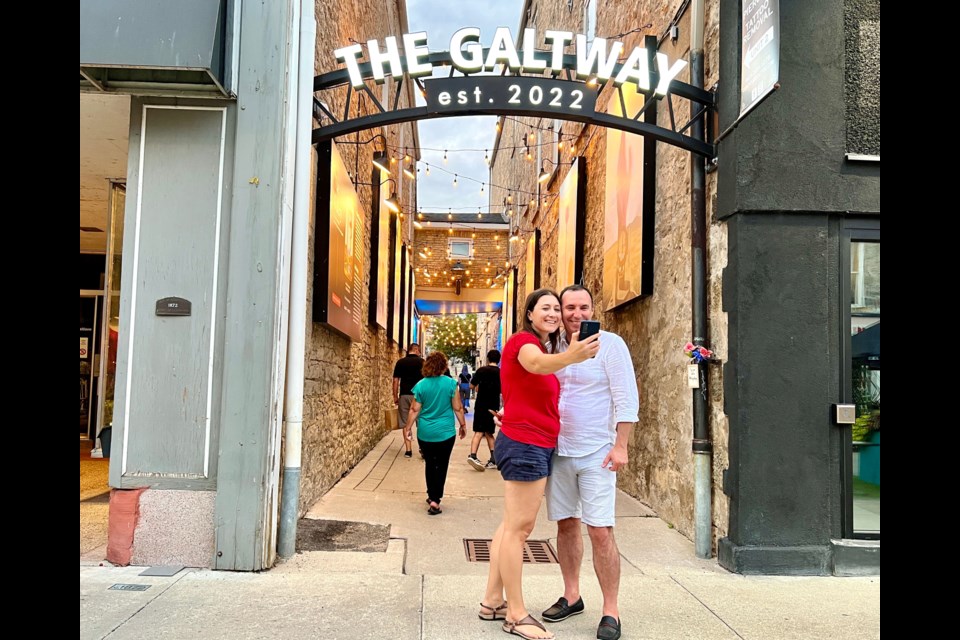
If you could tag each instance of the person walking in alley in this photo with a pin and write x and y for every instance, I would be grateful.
(436, 408)
(486, 382)
(464, 381)
(524, 447)
(407, 372)
(598, 408)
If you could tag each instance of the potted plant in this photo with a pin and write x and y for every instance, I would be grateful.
(106, 433)
(867, 426)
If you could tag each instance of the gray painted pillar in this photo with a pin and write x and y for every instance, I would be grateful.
(252, 376)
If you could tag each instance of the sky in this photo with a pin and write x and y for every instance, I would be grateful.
(436, 191)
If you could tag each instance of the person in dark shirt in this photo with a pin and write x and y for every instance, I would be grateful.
(465, 387)
(406, 373)
(486, 382)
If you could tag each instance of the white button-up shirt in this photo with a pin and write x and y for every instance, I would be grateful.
(594, 396)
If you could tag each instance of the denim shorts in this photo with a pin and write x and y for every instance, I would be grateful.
(522, 462)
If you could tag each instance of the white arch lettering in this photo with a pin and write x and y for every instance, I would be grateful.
(502, 49)
(598, 59)
(470, 35)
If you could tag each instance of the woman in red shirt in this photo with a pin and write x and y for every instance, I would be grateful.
(528, 436)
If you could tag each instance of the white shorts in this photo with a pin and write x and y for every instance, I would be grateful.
(581, 488)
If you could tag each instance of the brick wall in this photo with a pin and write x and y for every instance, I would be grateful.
(489, 254)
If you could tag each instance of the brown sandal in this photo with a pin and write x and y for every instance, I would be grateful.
(529, 621)
(493, 613)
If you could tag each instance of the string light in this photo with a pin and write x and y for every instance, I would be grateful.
(478, 181)
(444, 156)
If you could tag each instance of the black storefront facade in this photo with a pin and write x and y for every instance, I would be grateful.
(799, 188)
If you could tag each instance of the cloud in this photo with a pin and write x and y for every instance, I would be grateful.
(436, 191)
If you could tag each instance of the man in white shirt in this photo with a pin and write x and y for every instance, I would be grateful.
(599, 403)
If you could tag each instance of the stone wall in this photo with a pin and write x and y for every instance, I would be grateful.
(348, 384)
(656, 327)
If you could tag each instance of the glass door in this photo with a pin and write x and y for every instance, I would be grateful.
(110, 327)
(862, 384)
(89, 360)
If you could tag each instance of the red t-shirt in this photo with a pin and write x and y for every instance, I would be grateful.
(530, 400)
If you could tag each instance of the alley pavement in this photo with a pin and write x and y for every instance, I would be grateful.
(423, 586)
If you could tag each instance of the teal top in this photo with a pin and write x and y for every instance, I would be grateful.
(437, 421)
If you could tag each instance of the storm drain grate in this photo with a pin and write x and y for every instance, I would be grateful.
(534, 551)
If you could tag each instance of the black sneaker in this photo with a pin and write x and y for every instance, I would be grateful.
(408, 454)
(475, 462)
(561, 610)
(491, 464)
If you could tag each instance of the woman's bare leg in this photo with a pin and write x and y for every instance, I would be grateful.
(521, 504)
(493, 596)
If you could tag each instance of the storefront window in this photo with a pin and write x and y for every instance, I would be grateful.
(111, 326)
(865, 383)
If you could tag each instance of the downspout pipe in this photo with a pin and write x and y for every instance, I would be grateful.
(702, 445)
(293, 398)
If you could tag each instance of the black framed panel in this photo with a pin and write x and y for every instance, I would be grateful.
(854, 230)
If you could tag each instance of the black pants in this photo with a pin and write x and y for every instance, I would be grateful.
(436, 456)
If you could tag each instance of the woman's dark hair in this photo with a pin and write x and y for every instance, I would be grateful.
(434, 365)
(529, 305)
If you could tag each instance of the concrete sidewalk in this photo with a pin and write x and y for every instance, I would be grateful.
(423, 587)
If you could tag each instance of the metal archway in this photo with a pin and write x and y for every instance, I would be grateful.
(498, 93)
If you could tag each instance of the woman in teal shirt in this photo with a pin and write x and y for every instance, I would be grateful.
(436, 410)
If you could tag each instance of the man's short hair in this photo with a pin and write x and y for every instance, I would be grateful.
(413, 346)
(576, 287)
(493, 356)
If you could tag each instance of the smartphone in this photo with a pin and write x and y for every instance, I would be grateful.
(589, 328)
(492, 412)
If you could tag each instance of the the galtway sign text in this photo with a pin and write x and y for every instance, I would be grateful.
(597, 59)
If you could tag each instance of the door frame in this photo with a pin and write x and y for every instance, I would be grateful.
(854, 230)
(93, 412)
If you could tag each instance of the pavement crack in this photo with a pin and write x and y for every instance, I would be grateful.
(422, 586)
(146, 604)
(707, 607)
